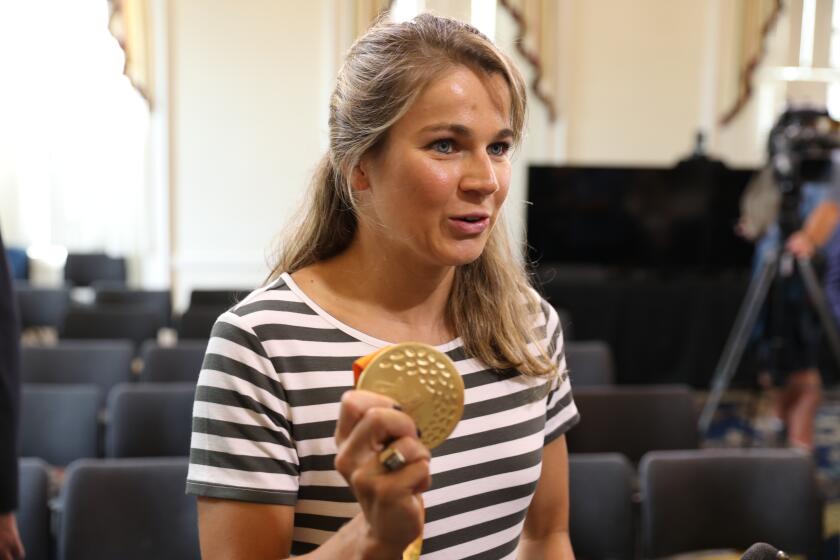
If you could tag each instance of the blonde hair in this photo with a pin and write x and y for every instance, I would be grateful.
(492, 305)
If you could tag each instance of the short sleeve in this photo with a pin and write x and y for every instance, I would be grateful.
(561, 414)
(242, 447)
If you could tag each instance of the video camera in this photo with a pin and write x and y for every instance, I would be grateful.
(800, 147)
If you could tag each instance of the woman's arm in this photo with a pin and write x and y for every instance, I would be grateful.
(392, 512)
(546, 531)
(230, 529)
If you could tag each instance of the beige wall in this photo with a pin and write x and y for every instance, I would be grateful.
(249, 84)
(634, 85)
(245, 131)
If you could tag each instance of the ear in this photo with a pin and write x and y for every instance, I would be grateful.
(360, 176)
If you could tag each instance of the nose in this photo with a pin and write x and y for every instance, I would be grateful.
(479, 175)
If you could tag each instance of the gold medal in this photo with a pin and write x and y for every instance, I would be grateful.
(423, 381)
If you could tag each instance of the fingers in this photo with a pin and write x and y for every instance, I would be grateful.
(354, 404)
(378, 427)
(373, 481)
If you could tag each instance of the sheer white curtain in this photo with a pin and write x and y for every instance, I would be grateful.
(73, 132)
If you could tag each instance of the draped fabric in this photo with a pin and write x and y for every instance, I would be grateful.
(758, 17)
(536, 41)
(366, 12)
(130, 25)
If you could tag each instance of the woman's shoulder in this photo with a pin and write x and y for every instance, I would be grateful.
(542, 310)
(277, 302)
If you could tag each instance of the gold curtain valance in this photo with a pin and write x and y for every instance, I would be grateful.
(536, 41)
(366, 12)
(758, 17)
(130, 25)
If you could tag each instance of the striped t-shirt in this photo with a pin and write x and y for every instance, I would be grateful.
(267, 402)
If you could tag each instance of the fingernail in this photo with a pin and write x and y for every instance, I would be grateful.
(397, 407)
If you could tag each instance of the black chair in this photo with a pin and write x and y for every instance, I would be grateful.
(103, 363)
(159, 301)
(566, 322)
(217, 298)
(149, 420)
(33, 514)
(18, 263)
(179, 363)
(601, 520)
(59, 423)
(130, 509)
(634, 420)
(590, 363)
(129, 322)
(729, 498)
(197, 322)
(83, 269)
(42, 307)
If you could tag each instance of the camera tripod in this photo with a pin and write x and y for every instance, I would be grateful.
(775, 263)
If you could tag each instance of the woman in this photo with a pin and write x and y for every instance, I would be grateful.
(402, 241)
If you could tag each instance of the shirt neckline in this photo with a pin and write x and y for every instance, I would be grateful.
(355, 333)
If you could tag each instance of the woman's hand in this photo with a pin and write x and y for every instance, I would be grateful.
(10, 545)
(390, 501)
(800, 245)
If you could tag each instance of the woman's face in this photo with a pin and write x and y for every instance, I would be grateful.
(436, 187)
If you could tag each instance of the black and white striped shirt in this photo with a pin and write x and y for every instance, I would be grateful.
(266, 407)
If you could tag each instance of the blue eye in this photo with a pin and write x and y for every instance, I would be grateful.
(498, 149)
(444, 146)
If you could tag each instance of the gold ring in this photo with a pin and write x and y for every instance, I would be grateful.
(392, 459)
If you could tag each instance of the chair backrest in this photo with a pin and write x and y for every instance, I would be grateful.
(601, 521)
(179, 363)
(127, 509)
(216, 298)
(590, 363)
(729, 498)
(59, 423)
(149, 420)
(18, 263)
(33, 514)
(83, 269)
(102, 362)
(42, 307)
(159, 301)
(634, 420)
(566, 322)
(197, 322)
(130, 322)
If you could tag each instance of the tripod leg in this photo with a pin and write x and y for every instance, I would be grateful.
(737, 341)
(820, 305)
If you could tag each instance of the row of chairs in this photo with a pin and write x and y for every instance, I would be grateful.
(689, 501)
(698, 500)
(118, 312)
(80, 269)
(105, 363)
(62, 423)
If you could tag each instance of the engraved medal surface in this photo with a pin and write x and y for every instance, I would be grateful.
(425, 383)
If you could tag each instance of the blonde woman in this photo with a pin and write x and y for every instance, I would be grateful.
(402, 240)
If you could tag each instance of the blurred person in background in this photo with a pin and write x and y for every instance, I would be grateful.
(10, 544)
(788, 353)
